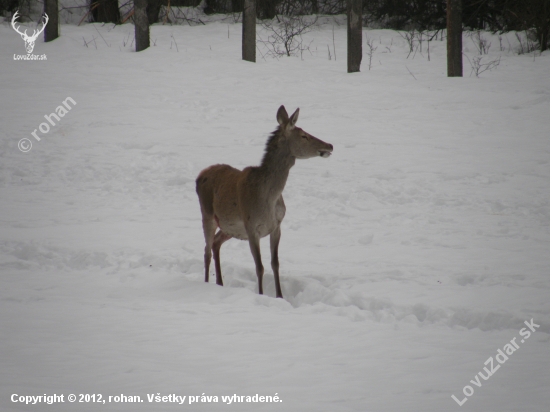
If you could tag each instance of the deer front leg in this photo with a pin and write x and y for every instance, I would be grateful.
(274, 243)
(254, 243)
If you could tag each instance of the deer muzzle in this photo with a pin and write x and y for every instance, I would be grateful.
(327, 151)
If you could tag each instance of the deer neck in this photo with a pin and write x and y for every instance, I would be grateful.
(275, 168)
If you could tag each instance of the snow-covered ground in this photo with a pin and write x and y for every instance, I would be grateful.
(408, 258)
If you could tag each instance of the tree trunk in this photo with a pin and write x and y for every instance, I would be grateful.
(237, 6)
(51, 8)
(105, 11)
(541, 17)
(141, 24)
(153, 10)
(454, 38)
(266, 9)
(355, 35)
(249, 31)
(544, 41)
(314, 7)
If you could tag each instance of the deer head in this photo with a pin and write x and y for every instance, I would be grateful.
(29, 40)
(302, 145)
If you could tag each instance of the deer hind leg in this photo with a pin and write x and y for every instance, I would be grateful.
(274, 244)
(219, 240)
(254, 243)
(209, 227)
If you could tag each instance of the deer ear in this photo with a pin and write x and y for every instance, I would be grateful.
(294, 118)
(282, 116)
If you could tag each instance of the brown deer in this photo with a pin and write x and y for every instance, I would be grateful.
(248, 204)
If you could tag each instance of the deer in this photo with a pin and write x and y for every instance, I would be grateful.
(248, 204)
(29, 40)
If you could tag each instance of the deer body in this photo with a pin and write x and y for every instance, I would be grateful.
(248, 204)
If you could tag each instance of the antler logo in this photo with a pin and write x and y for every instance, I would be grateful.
(29, 40)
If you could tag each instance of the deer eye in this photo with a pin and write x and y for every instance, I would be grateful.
(304, 136)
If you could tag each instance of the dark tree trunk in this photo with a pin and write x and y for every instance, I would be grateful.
(141, 24)
(266, 9)
(249, 31)
(314, 6)
(105, 11)
(541, 21)
(355, 35)
(237, 6)
(544, 40)
(153, 10)
(454, 38)
(51, 8)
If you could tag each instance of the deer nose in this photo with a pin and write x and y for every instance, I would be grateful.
(331, 147)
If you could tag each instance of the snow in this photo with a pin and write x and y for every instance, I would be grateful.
(408, 258)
